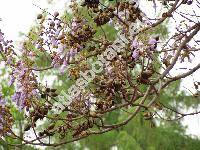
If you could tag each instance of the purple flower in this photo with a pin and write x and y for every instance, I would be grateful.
(1, 36)
(16, 96)
(1, 125)
(54, 41)
(12, 80)
(73, 52)
(62, 69)
(152, 41)
(22, 72)
(57, 32)
(135, 44)
(124, 30)
(65, 61)
(56, 60)
(135, 54)
(79, 48)
(153, 44)
(38, 46)
(88, 104)
(74, 25)
(2, 101)
(19, 99)
(9, 60)
(34, 92)
(61, 48)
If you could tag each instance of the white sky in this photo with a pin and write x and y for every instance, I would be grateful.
(18, 16)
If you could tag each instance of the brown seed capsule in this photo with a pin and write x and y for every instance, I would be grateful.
(53, 90)
(51, 126)
(121, 6)
(52, 24)
(48, 90)
(61, 37)
(41, 134)
(164, 14)
(147, 115)
(146, 74)
(39, 16)
(164, 2)
(54, 94)
(27, 127)
(43, 96)
(56, 14)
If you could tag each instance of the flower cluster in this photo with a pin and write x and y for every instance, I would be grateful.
(26, 86)
(104, 17)
(132, 12)
(140, 48)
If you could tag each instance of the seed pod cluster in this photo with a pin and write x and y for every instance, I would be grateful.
(74, 72)
(6, 120)
(104, 105)
(78, 105)
(131, 10)
(81, 129)
(39, 113)
(80, 33)
(91, 3)
(144, 76)
(104, 16)
(147, 115)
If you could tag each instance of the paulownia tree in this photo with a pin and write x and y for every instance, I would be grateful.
(109, 57)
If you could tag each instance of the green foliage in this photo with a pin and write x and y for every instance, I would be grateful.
(126, 141)
(138, 135)
(106, 141)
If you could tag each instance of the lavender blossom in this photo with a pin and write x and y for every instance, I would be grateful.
(12, 80)
(54, 42)
(135, 44)
(16, 96)
(135, 54)
(19, 99)
(74, 25)
(1, 36)
(153, 44)
(2, 101)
